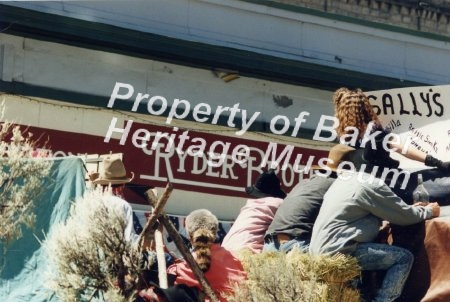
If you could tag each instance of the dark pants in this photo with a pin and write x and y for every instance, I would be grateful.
(435, 181)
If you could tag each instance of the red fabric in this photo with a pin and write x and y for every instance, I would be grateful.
(225, 271)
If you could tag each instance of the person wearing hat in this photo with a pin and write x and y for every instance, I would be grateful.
(113, 177)
(293, 222)
(348, 223)
(250, 226)
(266, 185)
(247, 231)
(359, 122)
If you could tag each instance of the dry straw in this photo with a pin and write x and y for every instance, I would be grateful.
(90, 254)
(297, 277)
(22, 172)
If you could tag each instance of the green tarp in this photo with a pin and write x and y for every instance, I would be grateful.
(25, 263)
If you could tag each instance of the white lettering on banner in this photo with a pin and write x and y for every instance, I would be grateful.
(112, 128)
(140, 140)
(272, 150)
(164, 162)
(60, 154)
(286, 154)
(210, 171)
(217, 165)
(254, 168)
(218, 156)
(195, 168)
(424, 103)
(227, 169)
(166, 156)
(420, 102)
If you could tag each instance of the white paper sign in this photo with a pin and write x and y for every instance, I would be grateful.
(421, 112)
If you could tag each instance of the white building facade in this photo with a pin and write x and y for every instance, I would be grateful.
(61, 61)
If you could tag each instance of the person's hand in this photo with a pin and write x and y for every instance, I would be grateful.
(436, 209)
(384, 232)
(421, 204)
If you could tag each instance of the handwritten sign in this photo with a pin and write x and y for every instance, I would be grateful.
(422, 113)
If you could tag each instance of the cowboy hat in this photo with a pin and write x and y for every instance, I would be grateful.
(113, 172)
(267, 185)
(337, 154)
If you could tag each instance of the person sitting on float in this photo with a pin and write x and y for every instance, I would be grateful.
(357, 119)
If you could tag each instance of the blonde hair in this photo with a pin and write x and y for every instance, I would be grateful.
(352, 108)
(202, 227)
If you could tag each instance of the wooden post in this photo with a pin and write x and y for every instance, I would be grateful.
(151, 224)
(160, 257)
(173, 233)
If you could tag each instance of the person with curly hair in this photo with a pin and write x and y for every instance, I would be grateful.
(352, 108)
(355, 114)
(357, 119)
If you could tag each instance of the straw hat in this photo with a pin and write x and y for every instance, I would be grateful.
(113, 172)
(337, 154)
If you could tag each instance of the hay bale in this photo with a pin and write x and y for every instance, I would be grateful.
(296, 276)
